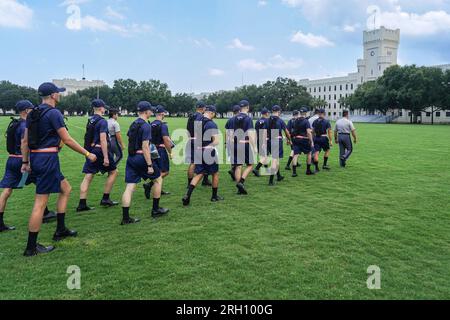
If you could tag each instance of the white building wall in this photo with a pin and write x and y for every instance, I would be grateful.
(73, 85)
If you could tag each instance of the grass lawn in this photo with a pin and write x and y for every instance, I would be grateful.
(308, 238)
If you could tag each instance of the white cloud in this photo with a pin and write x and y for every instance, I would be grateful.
(412, 24)
(311, 40)
(14, 14)
(262, 3)
(237, 44)
(200, 43)
(276, 62)
(113, 14)
(251, 64)
(216, 72)
(66, 3)
(351, 27)
(98, 25)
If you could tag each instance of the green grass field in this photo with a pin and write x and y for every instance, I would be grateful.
(308, 238)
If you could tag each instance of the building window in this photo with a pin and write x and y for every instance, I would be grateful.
(335, 105)
(346, 95)
(330, 97)
(324, 97)
(329, 105)
(438, 114)
(379, 68)
(340, 87)
(329, 89)
(314, 89)
(334, 113)
(335, 88)
(371, 72)
(346, 87)
(329, 114)
(400, 114)
(447, 114)
(428, 114)
(351, 86)
(335, 97)
(340, 96)
(324, 89)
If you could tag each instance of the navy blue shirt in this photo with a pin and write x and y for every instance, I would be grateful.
(229, 125)
(321, 126)
(100, 127)
(164, 131)
(49, 124)
(210, 129)
(19, 135)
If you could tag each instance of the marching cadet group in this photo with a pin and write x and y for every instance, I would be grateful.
(36, 138)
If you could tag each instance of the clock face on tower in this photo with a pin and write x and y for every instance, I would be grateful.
(372, 53)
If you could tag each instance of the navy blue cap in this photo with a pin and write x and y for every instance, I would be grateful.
(322, 111)
(296, 112)
(211, 109)
(276, 108)
(304, 110)
(98, 103)
(236, 108)
(200, 104)
(160, 109)
(264, 111)
(47, 89)
(144, 106)
(244, 103)
(23, 105)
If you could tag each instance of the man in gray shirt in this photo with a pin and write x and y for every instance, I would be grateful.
(345, 128)
(117, 145)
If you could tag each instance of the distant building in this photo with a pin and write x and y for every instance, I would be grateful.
(380, 52)
(73, 85)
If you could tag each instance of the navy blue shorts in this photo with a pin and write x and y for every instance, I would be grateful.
(46, 171)
(163, 161)
(321, 144)
(242, 154)
(137, 169)
(302, 146)
(280, 154)
(97, 166)
(207, 169)
(13, 174)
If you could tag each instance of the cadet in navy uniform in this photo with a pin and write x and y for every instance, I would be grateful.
(303, 141)
(276, 129)
(194, 121)
(323, 140)
(161, 139)
(13, 175)
(97, 141)
(243, 146)
(140, 165)
(262, 137)
(290, 126)
(210, 160)
(229, 139)
(44, 136)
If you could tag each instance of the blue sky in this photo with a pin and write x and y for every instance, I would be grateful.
(208, 45)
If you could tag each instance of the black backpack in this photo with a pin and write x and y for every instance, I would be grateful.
(90, 133)
(34, 117)
(260, 125)
(133, 135)
(157, 138)
(10, 136)
(297, 127)
(239, 122)
(191, 125)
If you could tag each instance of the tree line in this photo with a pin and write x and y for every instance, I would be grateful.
(411, 88)
(126, 93)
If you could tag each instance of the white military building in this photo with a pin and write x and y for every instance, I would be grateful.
(380, 52)
(73, 85)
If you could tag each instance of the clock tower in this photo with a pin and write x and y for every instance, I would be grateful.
(380, 52)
